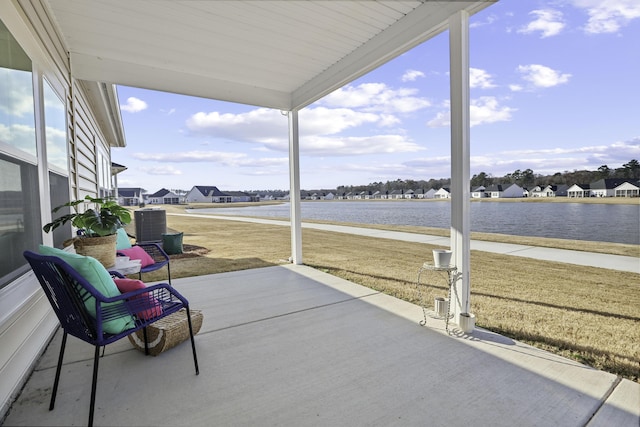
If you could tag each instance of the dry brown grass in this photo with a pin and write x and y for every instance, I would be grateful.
(588, 314)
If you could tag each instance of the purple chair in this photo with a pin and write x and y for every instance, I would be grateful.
(159, 256)
(68, 293)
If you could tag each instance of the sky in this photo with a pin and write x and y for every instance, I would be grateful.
(554, 87)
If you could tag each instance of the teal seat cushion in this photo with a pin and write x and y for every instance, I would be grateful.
(122, 241)
(95, 273)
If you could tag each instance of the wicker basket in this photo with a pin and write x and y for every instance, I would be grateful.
(101, 248)
(168, 332)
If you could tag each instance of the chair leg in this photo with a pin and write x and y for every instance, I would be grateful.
(193, 342)
(169, 271)
(146, 341)
(58, 369)
(94, 383)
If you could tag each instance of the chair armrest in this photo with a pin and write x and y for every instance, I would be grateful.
(155, 251)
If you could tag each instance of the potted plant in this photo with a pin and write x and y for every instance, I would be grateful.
(97, 225)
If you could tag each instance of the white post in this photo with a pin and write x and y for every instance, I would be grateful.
(460, 159)
(294, 188)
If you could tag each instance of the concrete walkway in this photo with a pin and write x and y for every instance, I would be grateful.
(293, 346)
(590, 259)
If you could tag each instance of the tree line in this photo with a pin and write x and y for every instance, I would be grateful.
(524, 178)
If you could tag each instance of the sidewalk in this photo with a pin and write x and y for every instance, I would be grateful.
(589, 259)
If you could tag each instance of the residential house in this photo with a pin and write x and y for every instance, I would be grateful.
(627, 189)
(239, 196)
(442, 193)
(478, 192)
(205, 194)
(329, 196)
(505, 191)
(396, 194)
(549, 191)
(430, 194)
(579, 190)
(409, 194)
(376, 195)
(130, 196)
(494, 191)
(606, 187)
(163, 197)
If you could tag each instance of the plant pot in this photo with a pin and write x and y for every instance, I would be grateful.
(441, 306)
(441, 257)
(101, 248)
(467, 322)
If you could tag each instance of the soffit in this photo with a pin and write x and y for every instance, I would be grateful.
(279, 54)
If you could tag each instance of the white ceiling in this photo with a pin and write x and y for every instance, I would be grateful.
(281, 54)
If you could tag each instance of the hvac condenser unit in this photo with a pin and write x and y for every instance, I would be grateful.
(151, 224)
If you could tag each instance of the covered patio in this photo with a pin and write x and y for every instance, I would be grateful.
(289, 345)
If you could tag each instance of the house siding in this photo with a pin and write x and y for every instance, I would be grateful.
(27, 322)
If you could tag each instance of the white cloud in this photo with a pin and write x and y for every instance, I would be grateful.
(356, 145)
(480, 79)
(516, 88)
(16, 88)
(322, 130)
(161, 170)
(485, 109)
(608, 16)
(133, 105)
(411, 75)
(542, 76)
(548, 22)
(552, 160)
(376, 97)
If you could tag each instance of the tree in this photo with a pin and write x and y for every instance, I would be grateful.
(604, 171)
(631, 169)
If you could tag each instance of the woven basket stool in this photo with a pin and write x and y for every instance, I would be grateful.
(168, 332)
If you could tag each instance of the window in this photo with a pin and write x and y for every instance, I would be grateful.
(20, 220)
(17, 119)
(20, 225)
(57, 158)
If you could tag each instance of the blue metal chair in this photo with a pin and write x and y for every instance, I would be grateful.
(68, 293)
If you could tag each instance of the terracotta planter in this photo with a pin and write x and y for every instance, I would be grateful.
(101, 248)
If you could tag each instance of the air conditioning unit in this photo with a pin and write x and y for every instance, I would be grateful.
(151, 224)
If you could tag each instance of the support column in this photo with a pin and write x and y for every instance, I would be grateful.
(460, 159)
(294, 188)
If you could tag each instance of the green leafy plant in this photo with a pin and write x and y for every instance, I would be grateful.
(100, 217)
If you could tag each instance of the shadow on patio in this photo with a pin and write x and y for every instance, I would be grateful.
(289, 345)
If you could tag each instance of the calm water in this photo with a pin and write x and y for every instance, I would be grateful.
(595, 222)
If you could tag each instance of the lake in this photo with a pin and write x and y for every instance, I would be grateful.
(579, 221)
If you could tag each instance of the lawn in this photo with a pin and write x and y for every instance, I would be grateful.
(585, 313)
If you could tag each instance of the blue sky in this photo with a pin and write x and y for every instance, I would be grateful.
(554, 88)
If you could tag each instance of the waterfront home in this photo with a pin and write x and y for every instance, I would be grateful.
(206, 194)
(478, 192)
(504, 191)
(442, 193)
(606, 187)
(627, 189)
(549, 191)
(579, 190)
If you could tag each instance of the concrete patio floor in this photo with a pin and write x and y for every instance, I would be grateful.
(290, 345)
